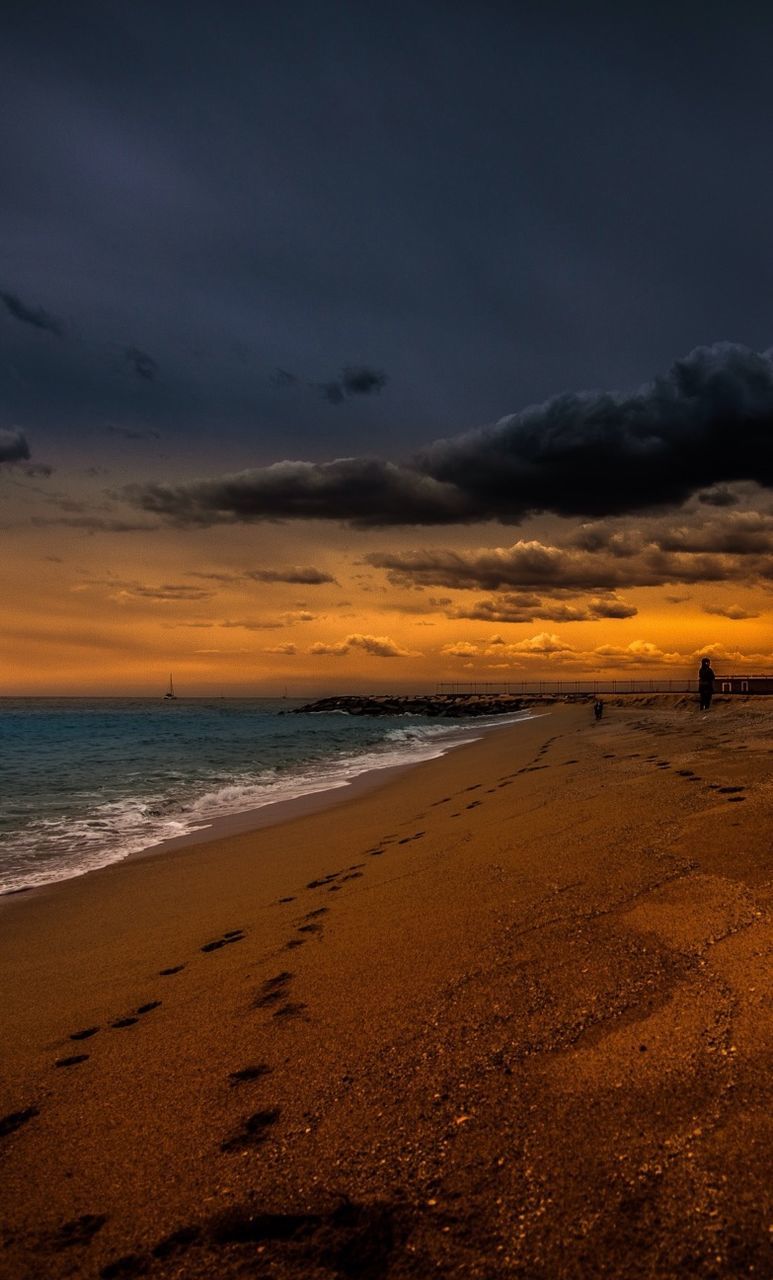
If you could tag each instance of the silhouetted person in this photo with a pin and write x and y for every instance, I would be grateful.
(706, 680)
(598, 708)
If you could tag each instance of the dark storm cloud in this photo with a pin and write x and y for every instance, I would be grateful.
(720, 496)
(325, 181)
(708, 421)
(13, 446)
(354, 489)
(35, 316)
(143, 365)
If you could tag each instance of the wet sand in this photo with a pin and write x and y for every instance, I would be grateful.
(502, 1016)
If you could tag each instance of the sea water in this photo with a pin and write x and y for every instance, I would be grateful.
(86, 782)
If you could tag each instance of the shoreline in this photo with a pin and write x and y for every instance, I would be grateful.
(500, 1016)
(273, 812)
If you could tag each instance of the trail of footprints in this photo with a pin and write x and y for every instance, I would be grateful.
(275, 999)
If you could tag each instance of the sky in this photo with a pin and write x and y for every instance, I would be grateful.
(363, 346)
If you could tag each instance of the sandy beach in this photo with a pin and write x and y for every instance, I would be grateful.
(501, 1015)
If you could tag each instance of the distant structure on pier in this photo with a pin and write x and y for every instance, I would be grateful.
(745, 684)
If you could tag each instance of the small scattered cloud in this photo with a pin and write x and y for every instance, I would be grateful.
(288, 650)
(166, 592)
(360, 380)
(95, 524)
(283, 378)
(376, 646)
(143, 365)
(35, 316)
(13, 446)
(305, 575)
(252, 624)
(733, 611)
(333, 392)
(460, 649)
(354, 380)
(222, 653)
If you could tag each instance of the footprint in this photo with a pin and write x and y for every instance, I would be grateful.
(334, 888)
(320, 884)
(146, 1008)
(15, 1119)
(318, 911)
(177, 968)
(176, 1241)
(234, 935)
(79, 1231)
(84, 1035)
(727, 791)
(268, 998)
(474, 804)
(273, 990)
(124, 1022)
(253, 1131)
(295, 942)
(376, 853)
(310, 928)
(72, 1061)
(290, 1010)
(249, 1073)
(352, 875)
(287, 899)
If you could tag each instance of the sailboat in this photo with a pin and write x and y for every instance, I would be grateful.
(170, 694)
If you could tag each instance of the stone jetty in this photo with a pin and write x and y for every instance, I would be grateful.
(449, 706)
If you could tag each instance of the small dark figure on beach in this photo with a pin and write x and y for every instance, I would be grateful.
(706, 680)
(598, 708)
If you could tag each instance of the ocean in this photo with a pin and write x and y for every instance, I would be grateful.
(87, 782)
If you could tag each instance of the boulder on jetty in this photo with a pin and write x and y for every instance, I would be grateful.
(451, 706)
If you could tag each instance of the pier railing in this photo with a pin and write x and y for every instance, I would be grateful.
(491, 687)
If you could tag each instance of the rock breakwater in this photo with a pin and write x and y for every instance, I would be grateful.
(450, 706)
